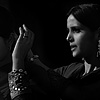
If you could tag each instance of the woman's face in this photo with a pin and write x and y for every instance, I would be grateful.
(82, 41)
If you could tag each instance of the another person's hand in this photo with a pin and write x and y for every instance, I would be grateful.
(23, 44)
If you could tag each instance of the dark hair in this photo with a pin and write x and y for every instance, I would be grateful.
(6, 22)
(87, 14)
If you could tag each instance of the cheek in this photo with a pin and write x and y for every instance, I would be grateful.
(82, 43)
(79, 39)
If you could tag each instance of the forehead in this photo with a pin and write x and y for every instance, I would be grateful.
(72, 21)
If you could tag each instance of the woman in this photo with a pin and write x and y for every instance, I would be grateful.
(78, 81)
(6, 42)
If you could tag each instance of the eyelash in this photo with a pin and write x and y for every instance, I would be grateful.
(76, 30)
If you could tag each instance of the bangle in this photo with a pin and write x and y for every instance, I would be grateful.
(18, 82)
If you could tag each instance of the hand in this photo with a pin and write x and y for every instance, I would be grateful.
(23, 44)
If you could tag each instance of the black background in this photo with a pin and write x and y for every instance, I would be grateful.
(48, 22)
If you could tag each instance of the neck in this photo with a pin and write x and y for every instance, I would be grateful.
(94, 61)
(90, 63)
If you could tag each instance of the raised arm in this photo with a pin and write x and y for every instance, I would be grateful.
(18, 78)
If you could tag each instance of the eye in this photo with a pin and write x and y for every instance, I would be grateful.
(76, 30)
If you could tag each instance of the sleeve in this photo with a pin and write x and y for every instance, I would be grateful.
(58, 82)
(64, 76)
(19, 85)
(52, 81)
(61, 70)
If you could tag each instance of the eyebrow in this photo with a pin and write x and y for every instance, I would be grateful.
(75, 27)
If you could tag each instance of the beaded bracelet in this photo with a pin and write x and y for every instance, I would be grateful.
(18, 83)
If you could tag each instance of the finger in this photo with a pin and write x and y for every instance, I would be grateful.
(21, 33)
(20, 30)
(26, 31)
(24, 27)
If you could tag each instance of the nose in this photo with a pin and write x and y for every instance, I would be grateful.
(69, 38)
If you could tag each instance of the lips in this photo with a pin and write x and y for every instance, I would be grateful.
(73, 47)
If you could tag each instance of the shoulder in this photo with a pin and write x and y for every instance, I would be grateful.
(67, 71)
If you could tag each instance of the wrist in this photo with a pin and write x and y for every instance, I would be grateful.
(18, 64)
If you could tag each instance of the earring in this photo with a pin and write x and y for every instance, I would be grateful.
(98, 52)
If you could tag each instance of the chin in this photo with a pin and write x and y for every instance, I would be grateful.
(76, 54)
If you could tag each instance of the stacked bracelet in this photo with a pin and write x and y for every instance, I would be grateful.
(18, 82)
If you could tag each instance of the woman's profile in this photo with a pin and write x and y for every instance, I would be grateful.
(77, 81)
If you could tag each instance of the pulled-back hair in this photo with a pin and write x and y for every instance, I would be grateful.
(87, 14)
(6, 22)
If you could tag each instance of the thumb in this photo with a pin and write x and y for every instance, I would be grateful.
(21, 33)
(20, 36)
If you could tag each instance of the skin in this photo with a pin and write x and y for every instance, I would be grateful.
(18, 54)
(84, 39)
(22, 47)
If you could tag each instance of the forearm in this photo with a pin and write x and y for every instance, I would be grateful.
(45, 77)
(19, 81)
(17, 64)
(38, 72)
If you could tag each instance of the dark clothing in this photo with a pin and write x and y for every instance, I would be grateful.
(66, 83)
(79, 87)
(4, 86)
